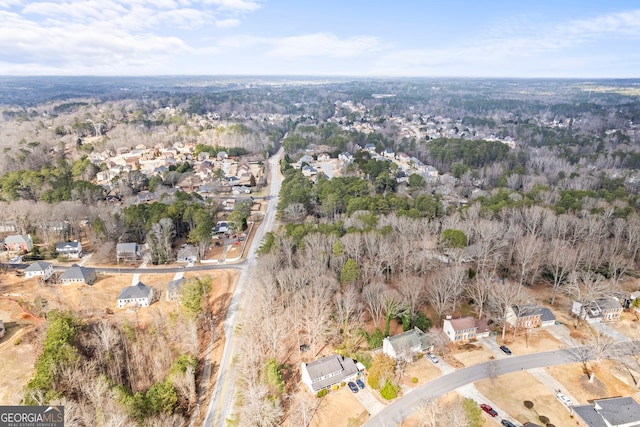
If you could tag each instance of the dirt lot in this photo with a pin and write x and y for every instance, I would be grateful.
(511, 390)
(90, 302)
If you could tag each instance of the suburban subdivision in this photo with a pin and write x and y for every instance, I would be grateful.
(335, 252)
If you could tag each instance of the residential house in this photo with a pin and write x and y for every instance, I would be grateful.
(145, 196)
(404, 157)
(600, 310)
(173, 291)
(417, 164)
(70, 249)
(18, 242)
(324, 157)
(346, 157)
(465, 328)
(222, 227)
(371, 148)
(308, 171)
(40, 269)
(127, 251)
(187, 253)
(78, 274)
(2, 329)
(222, 155)
(241, 189)
(431, 171)
(304, 159)
(388, 153)
(138, 295)
(328, 371)
(612, 412)
(407, 344)
(529, 317)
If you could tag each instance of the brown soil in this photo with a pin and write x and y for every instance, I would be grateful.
(340, 408)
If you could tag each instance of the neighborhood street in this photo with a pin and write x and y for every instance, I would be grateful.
(224, 389)
(396, 412)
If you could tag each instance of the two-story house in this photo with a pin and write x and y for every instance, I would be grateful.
(18, 243)
(138, 295)
(599, 310)
(465, 328)
(612, 412)
(328, 371)
(78, 274)
(40, 269)
(406, 344)
(70, 249)
(529, 317)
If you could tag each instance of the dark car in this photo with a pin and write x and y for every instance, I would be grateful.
(505, 349)
(360, 383)
(353, 387)
(507, 423)
(489, 410)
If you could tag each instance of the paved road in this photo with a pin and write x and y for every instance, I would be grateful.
(399, 410)
(224, 390)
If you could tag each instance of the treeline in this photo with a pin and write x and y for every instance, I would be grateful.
(118, 374)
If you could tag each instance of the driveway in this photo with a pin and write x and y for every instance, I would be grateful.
(369, 401)
(609, 331)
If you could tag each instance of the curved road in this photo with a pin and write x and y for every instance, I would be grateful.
(399, 410)
(223, 395)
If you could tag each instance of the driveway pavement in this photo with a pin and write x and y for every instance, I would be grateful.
(609, 331)
(368, 400)
(563, 334)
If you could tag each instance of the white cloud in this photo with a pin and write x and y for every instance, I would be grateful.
(239, 5)
(322, 44)
(227, 23)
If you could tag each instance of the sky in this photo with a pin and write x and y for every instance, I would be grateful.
(359, 38)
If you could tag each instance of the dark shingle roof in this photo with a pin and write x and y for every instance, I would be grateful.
(77, 272)
(340, 366)
(38, 266)
(135, 292)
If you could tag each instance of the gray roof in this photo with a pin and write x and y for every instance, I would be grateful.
(619, 410)
(77, 272)
(174, 285)
(342, 366)
(127, 247)
(188, 251)
(17, 238)
(135, 292)
(545, 314)
(67, 246)
(412, 339)
(608, 304)
(38, 266)
(616, 411)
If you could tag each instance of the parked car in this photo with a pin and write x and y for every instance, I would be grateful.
(360, 383)
(507, 423)
(489, 410)
(505, 349)
(564, 399)
(432, 357)
(352, 386)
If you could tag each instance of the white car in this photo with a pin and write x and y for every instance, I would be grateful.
(564, 399)
(433, 358)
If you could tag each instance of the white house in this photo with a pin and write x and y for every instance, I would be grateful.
(612, 412)
(78, 274)
(346, 157)
(140, 295)
(465, 328)
(599, 310)
(70, 249)
(173, 290)
(127, 251)
(406, 344)
(323, 373)
(39, 269)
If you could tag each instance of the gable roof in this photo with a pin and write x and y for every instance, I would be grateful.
(615, 411)
(137, 291)
(332, 366)
(67, 245)
(38, 266)
(412, 339)
(174, 285)
(463, 323)
(77, 272)
(17, 238)
(544, 313)
(127, 247)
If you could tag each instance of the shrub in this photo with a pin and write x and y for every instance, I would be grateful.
(414, 380)
(342, 384)
(389, 391)
(335, 387)
(323, 392)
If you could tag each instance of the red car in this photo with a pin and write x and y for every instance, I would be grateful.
(489, 410)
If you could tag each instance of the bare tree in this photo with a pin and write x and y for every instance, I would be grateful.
(586, 287)
(412, 293)
(295, 212)
(316, 301)
(479, 290)
(505, 295)
(444, 289)
(348, 310)
(560, 261)
(529, 252)
(373, 296)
